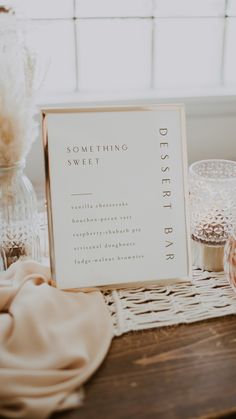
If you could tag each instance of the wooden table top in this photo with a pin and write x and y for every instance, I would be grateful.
(185, 371)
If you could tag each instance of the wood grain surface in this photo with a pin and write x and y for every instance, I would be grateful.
(186, 371)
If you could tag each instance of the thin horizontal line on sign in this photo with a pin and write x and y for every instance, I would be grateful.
(86, 193)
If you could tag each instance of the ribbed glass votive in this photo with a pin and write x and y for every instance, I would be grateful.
(212, 186)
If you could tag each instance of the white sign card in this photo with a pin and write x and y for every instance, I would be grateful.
(116, 189)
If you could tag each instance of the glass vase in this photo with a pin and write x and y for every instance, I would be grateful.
(19, 227)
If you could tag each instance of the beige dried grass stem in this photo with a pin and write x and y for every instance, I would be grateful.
(18, 128)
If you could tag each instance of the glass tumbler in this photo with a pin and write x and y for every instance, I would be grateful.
(212, 190)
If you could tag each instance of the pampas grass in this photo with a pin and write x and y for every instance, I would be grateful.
(18, 128)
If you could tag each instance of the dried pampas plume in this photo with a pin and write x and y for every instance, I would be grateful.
(18, 128)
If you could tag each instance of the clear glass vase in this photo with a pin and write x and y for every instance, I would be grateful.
(19, 226)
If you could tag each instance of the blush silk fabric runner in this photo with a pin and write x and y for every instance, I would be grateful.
(51, 342)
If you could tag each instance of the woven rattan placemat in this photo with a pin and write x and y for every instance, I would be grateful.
(208, 295)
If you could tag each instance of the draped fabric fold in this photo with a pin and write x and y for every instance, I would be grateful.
(51, 342)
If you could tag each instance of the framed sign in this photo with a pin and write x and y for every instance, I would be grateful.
(116, 194)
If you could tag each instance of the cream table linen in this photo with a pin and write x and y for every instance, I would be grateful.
(51, 342)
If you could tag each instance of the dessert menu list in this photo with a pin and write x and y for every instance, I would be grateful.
(117, 196)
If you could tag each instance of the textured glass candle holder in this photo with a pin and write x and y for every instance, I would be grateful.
(212, 186)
